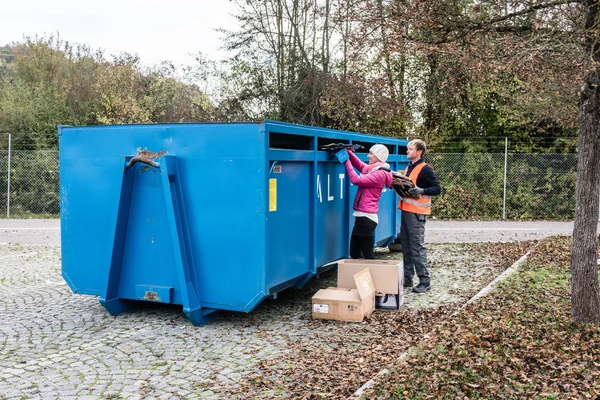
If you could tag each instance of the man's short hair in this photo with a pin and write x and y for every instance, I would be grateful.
(419, 145)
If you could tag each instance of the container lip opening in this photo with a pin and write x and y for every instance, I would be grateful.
(333, 134)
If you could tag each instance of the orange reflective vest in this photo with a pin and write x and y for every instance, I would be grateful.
(422, 205)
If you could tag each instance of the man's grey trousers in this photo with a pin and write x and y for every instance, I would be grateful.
(412, 237)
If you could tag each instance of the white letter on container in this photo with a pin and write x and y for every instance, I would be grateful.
(319, 194)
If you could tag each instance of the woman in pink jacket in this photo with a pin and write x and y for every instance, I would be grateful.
(370, 184)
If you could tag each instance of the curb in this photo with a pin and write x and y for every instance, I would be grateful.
(508, 272)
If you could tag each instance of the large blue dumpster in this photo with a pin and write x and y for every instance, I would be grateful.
(208, 216)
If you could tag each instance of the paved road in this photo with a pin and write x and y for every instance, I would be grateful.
(30, 231)
(494, 231)
(47, 231)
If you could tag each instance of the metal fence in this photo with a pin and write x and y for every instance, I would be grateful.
(475, 186)
(505, 186)
(30, 187)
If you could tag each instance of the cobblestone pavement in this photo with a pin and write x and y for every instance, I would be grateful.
(58, 345)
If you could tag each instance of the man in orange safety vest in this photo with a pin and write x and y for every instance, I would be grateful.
(415, 210)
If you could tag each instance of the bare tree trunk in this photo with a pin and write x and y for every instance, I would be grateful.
(325, 47)
(431, 116)
(313, 60)
(401, 79)
(299, 39)
(345, 39)
(585, 292)
(280, 60)
(385, 50)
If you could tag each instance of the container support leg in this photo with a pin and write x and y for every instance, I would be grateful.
(110, 297)
(181, 243)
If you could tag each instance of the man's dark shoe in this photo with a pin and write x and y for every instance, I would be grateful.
(422, 288)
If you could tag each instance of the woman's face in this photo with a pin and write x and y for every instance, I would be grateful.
(372, 158)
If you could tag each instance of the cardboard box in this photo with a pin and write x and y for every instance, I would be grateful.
(346, 304)
(387, 275)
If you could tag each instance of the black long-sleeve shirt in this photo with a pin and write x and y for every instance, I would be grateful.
(426, 180)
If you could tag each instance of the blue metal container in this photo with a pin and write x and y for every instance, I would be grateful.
(208, 216)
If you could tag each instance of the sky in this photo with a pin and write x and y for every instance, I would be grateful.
(155, 30)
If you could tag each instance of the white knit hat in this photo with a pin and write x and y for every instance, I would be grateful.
(380, 151)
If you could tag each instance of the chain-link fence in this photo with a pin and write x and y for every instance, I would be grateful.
(538, 186)
(511, 186)
(30, 187)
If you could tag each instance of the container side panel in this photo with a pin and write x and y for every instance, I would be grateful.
(90, 189)
(222, 177)
(288, 221)
(332, 207)
(386, 228)
(225, 201)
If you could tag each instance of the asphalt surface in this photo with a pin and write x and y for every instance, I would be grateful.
(47, 231)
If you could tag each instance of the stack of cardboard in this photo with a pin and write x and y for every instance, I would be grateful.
(346, 304)
(363, 285)
(388, 278)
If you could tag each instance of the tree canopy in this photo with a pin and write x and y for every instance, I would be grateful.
(461, 74)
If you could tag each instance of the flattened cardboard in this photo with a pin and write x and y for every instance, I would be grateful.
(345, 304)
(366, 289)
(387, 275)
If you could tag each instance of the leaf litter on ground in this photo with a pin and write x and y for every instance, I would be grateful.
(338, 357)
(518, 342)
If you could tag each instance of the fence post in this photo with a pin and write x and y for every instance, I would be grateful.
(8, 181)
(505, 167)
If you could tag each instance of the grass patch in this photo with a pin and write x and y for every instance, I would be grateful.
(518, 342)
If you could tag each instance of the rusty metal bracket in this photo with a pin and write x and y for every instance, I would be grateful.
(151, 296)
(142, 159)
(144, 156)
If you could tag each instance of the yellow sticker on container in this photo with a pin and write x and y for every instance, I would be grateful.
(272, 194)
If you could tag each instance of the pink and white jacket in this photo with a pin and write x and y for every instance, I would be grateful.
(370, 183)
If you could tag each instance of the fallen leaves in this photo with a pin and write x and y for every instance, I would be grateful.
(518, 342)
(337, 358)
